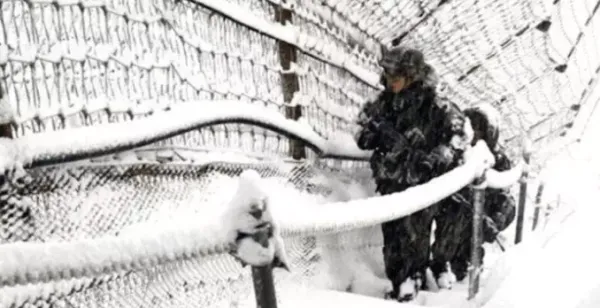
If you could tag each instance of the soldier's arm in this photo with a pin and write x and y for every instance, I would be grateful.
(450, 125)
(368, 136)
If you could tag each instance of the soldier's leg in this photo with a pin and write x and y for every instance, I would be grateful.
(450, 224)
(460, 263)
(394, 244)
(400, 255)
(417, 253)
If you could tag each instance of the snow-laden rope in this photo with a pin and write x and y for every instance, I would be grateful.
(28, 262)
(23, 263)
(505, 179)
(53, 147)
(350, 215)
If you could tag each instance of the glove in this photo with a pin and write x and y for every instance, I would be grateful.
(415, 137)
(367, 139)
(443, 157)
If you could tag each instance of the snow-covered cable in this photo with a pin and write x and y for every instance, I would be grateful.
(61, 146)
(28, 262)
(504, 179)
(344, 216)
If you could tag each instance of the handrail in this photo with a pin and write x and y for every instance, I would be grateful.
(55, 147)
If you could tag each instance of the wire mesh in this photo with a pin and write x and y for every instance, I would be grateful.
(69, 203)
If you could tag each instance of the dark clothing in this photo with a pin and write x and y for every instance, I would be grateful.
(454, 224)
(410, 134)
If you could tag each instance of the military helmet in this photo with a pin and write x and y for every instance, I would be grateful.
(485, 119)
(404, 62)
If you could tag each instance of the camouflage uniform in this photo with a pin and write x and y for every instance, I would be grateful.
(410, 133)
(454, 221)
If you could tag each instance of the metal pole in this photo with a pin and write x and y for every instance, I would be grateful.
(5, 127)
(262, 277)
(522, 201)
(290, 84)
(478, 200)
(538, 201)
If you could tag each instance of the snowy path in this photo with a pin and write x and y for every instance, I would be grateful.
(561, 273)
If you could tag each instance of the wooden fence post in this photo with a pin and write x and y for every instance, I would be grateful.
(522, 200)
(5, 129)
(288, 54)
(262, 278)
(538, 202)
(478, 200)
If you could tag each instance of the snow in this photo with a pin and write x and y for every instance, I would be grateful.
(301, 297)
(59, 146)
(557, 270)
(13, 156)
(345, 266)
(252, 197)
(28, 262)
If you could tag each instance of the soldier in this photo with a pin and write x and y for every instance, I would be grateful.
(454, 220)
(415, 137)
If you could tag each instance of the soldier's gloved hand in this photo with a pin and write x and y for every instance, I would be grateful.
(415, 137)
(443, 156)
(366, 139)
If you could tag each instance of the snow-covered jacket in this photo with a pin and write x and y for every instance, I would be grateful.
(410, 133)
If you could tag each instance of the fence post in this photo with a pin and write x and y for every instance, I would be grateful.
(478, 200)
(262, 278)
(522, 199)
(538, 201)
(288, 54)
(5, 129)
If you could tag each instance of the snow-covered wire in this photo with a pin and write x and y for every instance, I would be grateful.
(345, 216)
(28, 262)
(62, 146)
(504, 179)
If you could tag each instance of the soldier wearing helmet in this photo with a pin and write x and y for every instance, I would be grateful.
(412, 134)
(455, 217)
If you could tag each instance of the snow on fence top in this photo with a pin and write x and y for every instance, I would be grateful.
(64, 146)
